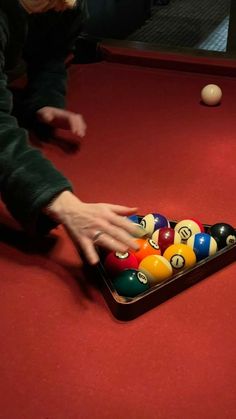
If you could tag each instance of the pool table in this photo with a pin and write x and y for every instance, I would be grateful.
(151, 143)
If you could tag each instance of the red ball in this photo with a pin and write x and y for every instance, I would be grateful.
(165, 237)
(116, 262)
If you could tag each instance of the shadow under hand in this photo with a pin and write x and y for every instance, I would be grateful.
(62, 139)
(52, 253)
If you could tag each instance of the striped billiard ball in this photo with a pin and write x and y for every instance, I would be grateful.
(186, 228)
(152, 222)
(203, 245)
(156, 268)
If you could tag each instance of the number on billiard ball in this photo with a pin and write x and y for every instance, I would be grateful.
(180, 256)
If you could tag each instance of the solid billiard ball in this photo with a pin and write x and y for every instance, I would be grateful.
(186, 228)
(152, 222)
(166, 236)
(116, 262)
(223, 233)
(146, 247)
(156, 268)
(131, 283)
(203, 245)
(180, 256)
(211, 95)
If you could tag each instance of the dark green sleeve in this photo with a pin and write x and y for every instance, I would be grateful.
(28, 181)
(46, 52)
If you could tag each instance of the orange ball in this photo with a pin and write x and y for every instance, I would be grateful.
(147, 247)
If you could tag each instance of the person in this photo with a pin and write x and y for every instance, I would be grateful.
(39, 197)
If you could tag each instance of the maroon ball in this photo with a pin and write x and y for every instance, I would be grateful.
(165, 237)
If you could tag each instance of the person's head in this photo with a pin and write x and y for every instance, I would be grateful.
(40, 6)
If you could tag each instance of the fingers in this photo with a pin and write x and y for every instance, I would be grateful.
(88, 246)
(110, 238)
(61, 118)
(120, 236)
(45, 115)
(122, 222)
(122, 210)
(89, 251)
(77, 124)
(110, 243)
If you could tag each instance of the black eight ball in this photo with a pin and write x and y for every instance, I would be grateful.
(224, 234)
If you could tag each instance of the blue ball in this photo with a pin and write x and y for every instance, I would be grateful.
(203, 245)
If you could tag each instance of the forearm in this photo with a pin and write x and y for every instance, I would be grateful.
(28, 181)
(46, 54)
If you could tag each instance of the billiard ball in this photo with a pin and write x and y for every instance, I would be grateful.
(180, 256)
(146, 247)
(140, 231)
(223, 233)
(211, 95)
(156, 268)
(186, 228)
(152, 222)
(134, 218)
(116, 262)
(203, 245)
(131, 283)
(166, 236)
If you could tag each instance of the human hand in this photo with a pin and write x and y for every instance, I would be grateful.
(89, 225)
(61, 118)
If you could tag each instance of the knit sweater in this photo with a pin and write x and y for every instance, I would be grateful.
(28, 181)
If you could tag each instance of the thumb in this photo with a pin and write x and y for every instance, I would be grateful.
(45, 115)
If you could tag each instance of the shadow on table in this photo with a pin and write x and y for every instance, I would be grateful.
(52, 253)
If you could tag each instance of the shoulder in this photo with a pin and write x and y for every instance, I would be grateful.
(4, 28)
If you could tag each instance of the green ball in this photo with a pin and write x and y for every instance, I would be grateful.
(131, 283)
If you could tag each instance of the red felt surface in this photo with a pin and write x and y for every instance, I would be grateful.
(150, 143)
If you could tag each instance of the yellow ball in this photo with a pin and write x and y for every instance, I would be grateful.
(156, 268)
(211, 94)
(180, 256)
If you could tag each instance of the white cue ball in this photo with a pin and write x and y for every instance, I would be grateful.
(211, 94)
